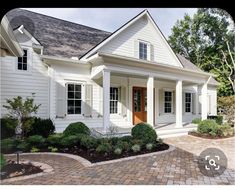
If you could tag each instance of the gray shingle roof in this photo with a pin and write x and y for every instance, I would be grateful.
(58, 37)
(189, 65)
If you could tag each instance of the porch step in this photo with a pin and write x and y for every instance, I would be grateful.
(174, 132)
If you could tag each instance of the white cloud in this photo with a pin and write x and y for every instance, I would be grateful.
(110, 19)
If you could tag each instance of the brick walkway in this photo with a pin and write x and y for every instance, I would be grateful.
(175, 167)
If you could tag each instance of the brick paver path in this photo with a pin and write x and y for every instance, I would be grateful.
(175, 167)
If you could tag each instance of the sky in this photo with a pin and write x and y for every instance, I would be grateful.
(110, 19)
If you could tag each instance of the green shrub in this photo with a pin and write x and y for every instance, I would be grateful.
(34, 149)
(113, 140)
(224, 130)
(207, 126)
(144, 132)
(118, 151)
(218, 118)
(138, 141)
(196, 120)
(43, 127)
(104, 148)
(68, 141)
(149, 146)
(8, 126)
(159, 141)
(2, 161)
(23, 146)
(126, 138)
(124, 145)
(8, 145)
(53, 149)
(55, 139)
(88, 142)
(77, 128)
(36, 140)
(136, 148)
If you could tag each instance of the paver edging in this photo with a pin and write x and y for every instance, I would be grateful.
(47, 169)
(87, 163)
(220, 139)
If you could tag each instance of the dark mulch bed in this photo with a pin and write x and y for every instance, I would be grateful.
(12, 169)
(207, 136)
(94, 157)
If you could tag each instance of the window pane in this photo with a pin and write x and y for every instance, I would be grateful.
(78, 103)
(70, 94)
(25, 52)
(70, 102)
(70, 87)
(113, 100)
(77, 110)
(25, 67)
(19, 59)
(77, 95)
(70, 110)
(78, 88)
(24, 59)
(19, 66)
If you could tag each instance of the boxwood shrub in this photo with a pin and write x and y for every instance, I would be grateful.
(36, 141)
(208, 126)
(104, 148)
(88, 142)
(76, 128)
(55, 139)
(69, 141)
(144, 132)
(196, 120)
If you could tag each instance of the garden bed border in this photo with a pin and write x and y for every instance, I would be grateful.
(87, 163)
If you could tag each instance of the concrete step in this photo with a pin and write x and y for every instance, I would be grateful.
(174, 132)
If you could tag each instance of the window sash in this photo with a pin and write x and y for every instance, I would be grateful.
(114, 100)
(74, 98)
(167, 102)
(188, 102)
(143, 50)
(22, 61)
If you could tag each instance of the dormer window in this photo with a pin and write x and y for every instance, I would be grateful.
(143, 50)
(22, 61)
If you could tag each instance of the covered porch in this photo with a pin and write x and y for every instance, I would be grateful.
(149, 76)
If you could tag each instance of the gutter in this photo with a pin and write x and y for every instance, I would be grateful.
(61, 59)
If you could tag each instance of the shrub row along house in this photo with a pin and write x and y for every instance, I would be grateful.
(104, 79)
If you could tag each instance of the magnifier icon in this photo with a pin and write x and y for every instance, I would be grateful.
(212, 162)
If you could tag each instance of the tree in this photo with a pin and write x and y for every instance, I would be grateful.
(208, 40)
(21, 110)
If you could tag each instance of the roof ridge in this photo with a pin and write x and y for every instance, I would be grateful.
(61, 20)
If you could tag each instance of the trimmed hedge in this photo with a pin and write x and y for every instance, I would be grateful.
(55, 139)
(36, 141)
(144, 132)
(77, 128)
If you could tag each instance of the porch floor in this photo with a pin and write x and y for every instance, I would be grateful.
(161, 129)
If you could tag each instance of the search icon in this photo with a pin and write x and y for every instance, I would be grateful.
(212, 162)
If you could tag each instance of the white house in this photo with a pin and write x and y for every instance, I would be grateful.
(105, 79)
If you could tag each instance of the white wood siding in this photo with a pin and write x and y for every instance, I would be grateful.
(123, 44)
(23, 83)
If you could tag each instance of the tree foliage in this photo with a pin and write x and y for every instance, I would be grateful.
(207, 39)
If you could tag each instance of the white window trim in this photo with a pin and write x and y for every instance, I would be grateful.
(148, 49)
(29, 63)
(71, 116)
(172, 102)
(118, 104)
(191, 102)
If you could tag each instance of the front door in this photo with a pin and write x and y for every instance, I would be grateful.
(139, 105)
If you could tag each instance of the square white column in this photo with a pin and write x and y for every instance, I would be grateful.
(178, 101)
(204, 101)
(106, 99)
(150, 100)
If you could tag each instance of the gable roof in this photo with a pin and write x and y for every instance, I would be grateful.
(122, 28)
(58, 37)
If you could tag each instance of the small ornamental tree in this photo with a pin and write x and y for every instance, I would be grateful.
(21, 110)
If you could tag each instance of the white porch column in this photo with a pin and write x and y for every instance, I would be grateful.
(196, 103)
(106, 99)
(204, 101)
(178, 101)
(150, 100)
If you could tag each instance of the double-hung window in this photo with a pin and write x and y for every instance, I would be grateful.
(168, 102)
(188, 102)
(74, 98)
(113, 100)
(143, 50)
(22, 61)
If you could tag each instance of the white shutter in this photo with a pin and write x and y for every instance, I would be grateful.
(183, 102)
(123, 101)
(101, 100)
(148, 51)
(161, 102)
(136, 49)
(173, 102)
(87, 104)
(194, 103)
(151, 52)
(60, 100)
